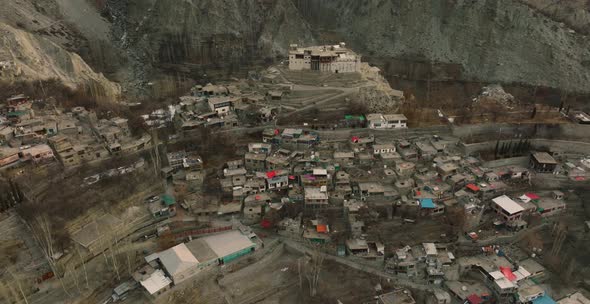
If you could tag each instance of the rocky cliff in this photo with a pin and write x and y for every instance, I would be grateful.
(30, 57)
(461, 41)
(503, 41)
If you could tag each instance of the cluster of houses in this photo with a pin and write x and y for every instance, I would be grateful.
(331, 192)
(38, 131)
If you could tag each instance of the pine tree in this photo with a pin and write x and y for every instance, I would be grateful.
(518, 148)
(496, 149)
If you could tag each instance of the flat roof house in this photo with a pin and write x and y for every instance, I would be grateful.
(508, 209)
(316, 198)
(220, 105)
(542, 162)
(386, 121)
(255, 161)
(383, 148)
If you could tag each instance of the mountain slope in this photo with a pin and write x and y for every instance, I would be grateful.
(486, 40)
(32, 57)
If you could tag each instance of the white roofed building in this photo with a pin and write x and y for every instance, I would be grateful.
(156, 283)
(507, 208)
(179, 263)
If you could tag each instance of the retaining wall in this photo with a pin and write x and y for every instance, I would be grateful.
(553, 145)
(521, 161)
(575, 132)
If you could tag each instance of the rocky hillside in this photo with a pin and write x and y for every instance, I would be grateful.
(574, 13)
(40, 40)
(487, 40)
(523, 42)
(503, 41)
(30, 57)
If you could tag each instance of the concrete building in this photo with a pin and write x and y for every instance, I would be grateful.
(8, 156)
(386, 121)
(277, 183)
(542, 162)
(383, 149)
(550, 206)
(508, 209)
(220, 105)
(324, 58)
(255, 161)
(38, 154)
(316, 198)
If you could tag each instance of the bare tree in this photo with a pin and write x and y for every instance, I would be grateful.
(41, 231)
(312, 268)
(83, 265)
(18, 284)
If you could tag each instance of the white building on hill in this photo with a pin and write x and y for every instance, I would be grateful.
(324, 58)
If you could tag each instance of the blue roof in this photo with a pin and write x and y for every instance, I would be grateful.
(544, 300)
(429, 204)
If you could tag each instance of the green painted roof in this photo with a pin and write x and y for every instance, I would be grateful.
(168, 200)
(350, 117)
(17, 113)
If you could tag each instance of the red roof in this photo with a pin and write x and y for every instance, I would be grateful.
(507, 272)
(322, 228)
(271, 174)
(257, 197)
(291, 176)
(472, 187)
(355, 139)
(277, 131)
(266, 224)
(474, 299)
(532, 196)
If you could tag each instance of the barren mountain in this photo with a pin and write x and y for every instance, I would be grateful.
(512, 42)
(505, 41)
(34, 57)
(39, 42)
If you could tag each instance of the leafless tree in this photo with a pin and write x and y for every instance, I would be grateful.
(18, 284)
(41, 231)
(312, 268)
(83, 265)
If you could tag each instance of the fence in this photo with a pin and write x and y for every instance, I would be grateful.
(194, 233)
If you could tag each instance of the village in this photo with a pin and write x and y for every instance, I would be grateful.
(304, 183)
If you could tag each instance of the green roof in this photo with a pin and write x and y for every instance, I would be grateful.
(168, 200)
(350, 117)
(17, 113)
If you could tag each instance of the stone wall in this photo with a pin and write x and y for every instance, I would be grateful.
(521, 161)
(576, 132)
(542, 144)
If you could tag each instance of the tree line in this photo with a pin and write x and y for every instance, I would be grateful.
(511, 148)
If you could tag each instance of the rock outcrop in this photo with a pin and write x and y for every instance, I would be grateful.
(34, 57)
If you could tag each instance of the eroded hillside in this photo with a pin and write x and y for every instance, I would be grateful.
(40, 40)
(137, 42)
